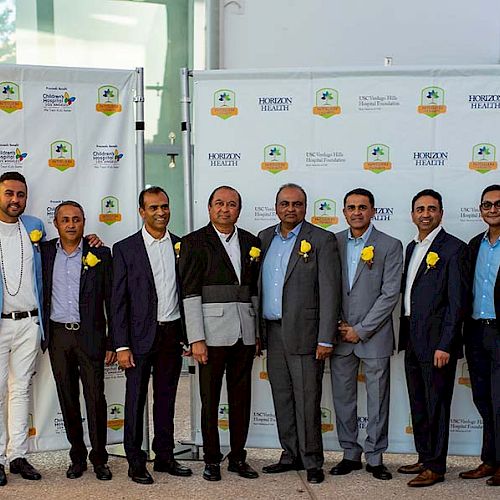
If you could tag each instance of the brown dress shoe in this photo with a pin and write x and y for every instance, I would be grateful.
(412, 469)
(426, 478)
(495, 480)
(484, 470)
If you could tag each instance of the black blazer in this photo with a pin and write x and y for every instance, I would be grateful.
(134, 303)
(209, 264)
(474, 245)
(94, 299)
(438, 300)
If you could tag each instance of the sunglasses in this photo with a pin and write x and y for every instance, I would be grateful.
(488, 205)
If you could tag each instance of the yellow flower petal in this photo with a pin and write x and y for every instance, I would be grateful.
(305, 246)
(36, 235)
(177, 248)
(367, 254)
(254, 252)
(432, 259)
(91, 260)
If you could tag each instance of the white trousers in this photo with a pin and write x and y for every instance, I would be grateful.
(19, 346)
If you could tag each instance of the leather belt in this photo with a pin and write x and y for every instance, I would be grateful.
(487, 322)
(15, 315)
(70, 326)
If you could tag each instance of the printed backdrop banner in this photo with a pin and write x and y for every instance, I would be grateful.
(70, 132)
(392, 130)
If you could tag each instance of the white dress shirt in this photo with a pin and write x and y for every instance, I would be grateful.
(162, 260)
(419, 252)
(232, 248)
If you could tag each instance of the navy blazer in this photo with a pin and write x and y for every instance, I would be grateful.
(134, 303)
(474, 245)
(438, 300)
(94, 299)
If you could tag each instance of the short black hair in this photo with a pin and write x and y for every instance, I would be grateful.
(211, 197)
(291, 185)
(151, 190)
(493, 187)
(13, 176)
(69, 203)
(427, 192)
(361, 192)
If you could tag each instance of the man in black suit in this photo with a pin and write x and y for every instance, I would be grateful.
(482, 334)
(434, 297)
(77, 291)
(219, 270)
(148, 333)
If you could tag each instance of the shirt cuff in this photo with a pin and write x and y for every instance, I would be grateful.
(119, 349)
(325, 344)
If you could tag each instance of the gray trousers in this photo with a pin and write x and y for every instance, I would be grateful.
(296, 384)
(344, 371)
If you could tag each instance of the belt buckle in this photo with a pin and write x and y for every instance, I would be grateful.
(73, 326)
(16, 315)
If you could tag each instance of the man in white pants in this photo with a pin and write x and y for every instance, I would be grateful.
(20, 325)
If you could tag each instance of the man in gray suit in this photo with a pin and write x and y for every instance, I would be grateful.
(371, 282)
(300, 295)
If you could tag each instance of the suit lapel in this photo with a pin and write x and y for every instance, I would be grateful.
(294, 258)
(435, 246)
(342, 246)
(266, 239)
(216, 242)
(142, 254)
(84, 272)
(372, 240)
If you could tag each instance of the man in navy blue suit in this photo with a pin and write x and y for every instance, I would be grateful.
(148, 333)
(482, 334)
(434, 297)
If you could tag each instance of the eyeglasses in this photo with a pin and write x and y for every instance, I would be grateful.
(488, 205)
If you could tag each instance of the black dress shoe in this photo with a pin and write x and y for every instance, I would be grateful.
(315, 476)
(212, 472)
(76, 470)
(3, 477)
(23, 467)
(379, 471)
(140, 475)
(173, 467)
(243, 469)
(281, 467)
(103, 472)
(345, 466)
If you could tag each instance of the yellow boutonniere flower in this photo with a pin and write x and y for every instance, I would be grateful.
(431, 260)
(254, 254)
(305, 248)
(90, 260)
(367, 255)
(36, 236)
(177, 249)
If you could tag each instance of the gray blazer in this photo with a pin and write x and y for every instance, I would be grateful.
(368, 305)
(311, 291)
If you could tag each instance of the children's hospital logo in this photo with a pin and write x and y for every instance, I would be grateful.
(484, 158)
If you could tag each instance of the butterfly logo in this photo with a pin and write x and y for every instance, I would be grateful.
(118, 156)
(20, 156)
(68, 100)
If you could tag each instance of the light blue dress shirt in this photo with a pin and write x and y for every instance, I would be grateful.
(353, 254)
(274, 271)
(66, 285)
(485, 275)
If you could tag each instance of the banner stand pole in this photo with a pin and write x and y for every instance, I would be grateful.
(190, 450)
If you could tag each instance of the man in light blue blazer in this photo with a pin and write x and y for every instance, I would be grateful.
(20, 325)
(371, 281)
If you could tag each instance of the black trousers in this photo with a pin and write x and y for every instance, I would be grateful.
(69, 364)
(430, 390)
(164, 361)
(236, 361)
(482, 350)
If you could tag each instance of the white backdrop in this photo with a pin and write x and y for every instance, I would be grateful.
(394, 131)
(70, 132)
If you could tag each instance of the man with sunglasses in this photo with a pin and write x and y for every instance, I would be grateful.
(482, 335)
